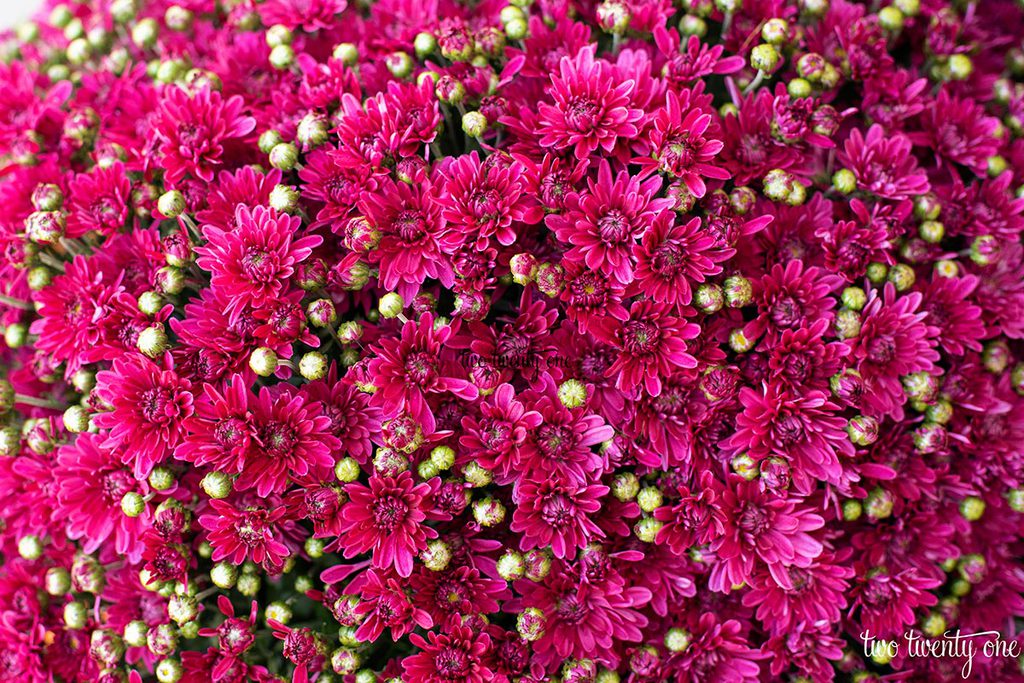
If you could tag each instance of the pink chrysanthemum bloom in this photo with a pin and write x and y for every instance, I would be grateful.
(681, 144)
(959, 131)
(219, 434)
(242, 187)
(309, 15)
(802, 359)
(70, 309)
(193, 129)
(672, 255)
(717, 652)
(591, 297)
(335, 180)
(245, 533)
(584, 618)
(407, 370)
(149, 406)
(802, 428)
(591, 107)
(604, 223)
(561, 444)
(352, 420)
(790, 297)
(457, 654)
(386, 518)
(883, 164)
(254, 261)
(481, 199)
(651, 343)
(99, 200)
(809, 647)
(894, 340)
(694, 60)
(410, 225)
(93, 480)
(885, 600)
(947, 302)
(384, 604)
(761, 528)
(495, 436)
(690, 519)
(288, 440)
(818, 593)
(556, 514)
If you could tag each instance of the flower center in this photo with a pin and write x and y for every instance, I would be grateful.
(789, 429)
(613, 227)
(116, 484)
(786, 312)
(230, 432)
(558, 511)
(582, 114)
(753, 520)
(640, 338)
(496, 434)
(157, 405)
(389, 513)
(278, 439)
(882, 349)
(259, 265)
(667, 260)
(554, 441)
(421, 368)
(452, 664)
(410, 226)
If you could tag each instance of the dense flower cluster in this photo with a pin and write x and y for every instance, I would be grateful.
(512, 341)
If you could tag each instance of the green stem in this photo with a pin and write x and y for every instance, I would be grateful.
(37, 402)
(15, 303)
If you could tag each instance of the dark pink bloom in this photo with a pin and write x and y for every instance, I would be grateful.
(100, 200)
(883, 164)
(149, 407)
(650, 344)
(456, 654)
(761, 530)
(556, 514)
(246, 533)
(672, 256)
(193, 129)
(408, 370)
(386, 518)
(591, 108)
(254, 261)
(93, 480)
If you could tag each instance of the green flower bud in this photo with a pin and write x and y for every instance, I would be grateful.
(625, 486)
(153, 341)
(649, 499)
(169, 671)
(30, 547)
(488, 512)
(145, 33)
(279, 34)
(224, 575)
(744, 466)
(436, 556)
(878, 504)
(424, 44)
(282, 57)
(765, 57)
(347, 53)
(263, 361)
(572, 393)
(75, 615)
(854, 298)
(132, 504)
(775, 31)
(844, 181)
(647, 529)
(511, 566)
(347, 470)
(891, 19)
(847, 325)
(391, 305)
(972, 508)
(677, 640)
(739, 342)
(852, 510)
(57, 581)
(709, 298)
(217, 485)
(284, 156)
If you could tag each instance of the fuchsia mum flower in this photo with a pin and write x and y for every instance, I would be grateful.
(630, 340)
(193, 130)
(254, 261)
(386, 518)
